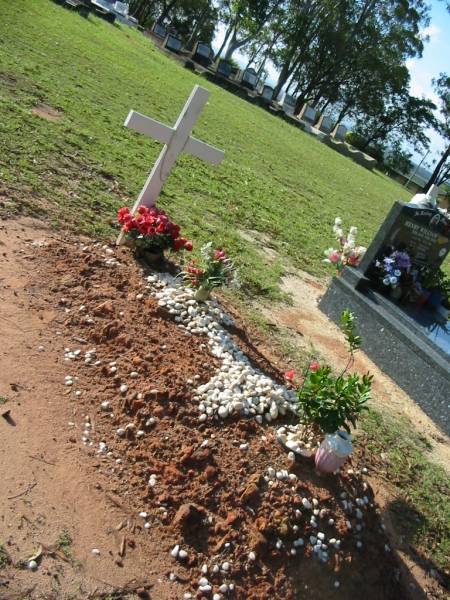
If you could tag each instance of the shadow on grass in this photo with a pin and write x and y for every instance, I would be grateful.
(409, 526)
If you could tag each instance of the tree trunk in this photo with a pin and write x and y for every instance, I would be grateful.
(235, 44)
(225, 41)
(286, 71)
(191, 39)
(437, 170)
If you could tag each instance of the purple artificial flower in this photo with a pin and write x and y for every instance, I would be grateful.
(402, 259)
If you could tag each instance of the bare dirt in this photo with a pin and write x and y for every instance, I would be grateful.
(45, 111)
(209, 496)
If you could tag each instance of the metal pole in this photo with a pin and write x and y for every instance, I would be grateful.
(415, 170)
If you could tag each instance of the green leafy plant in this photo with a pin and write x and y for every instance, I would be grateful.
(64, 542)
(333, 403)
(3, 557)
(328, 402)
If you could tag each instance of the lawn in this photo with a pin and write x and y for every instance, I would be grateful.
(276, 181)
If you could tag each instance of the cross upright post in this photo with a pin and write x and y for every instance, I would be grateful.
(176, 140)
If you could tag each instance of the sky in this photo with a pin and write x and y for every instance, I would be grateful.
(435, 60)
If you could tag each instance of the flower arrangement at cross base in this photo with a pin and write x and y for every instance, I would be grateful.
(348, 253)
(328, 406)
(150, 232)
(216, 270)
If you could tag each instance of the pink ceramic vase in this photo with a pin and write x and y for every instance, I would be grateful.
(333, 452)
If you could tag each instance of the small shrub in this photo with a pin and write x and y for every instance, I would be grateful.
(331, 403)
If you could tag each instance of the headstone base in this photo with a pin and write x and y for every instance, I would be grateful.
(395, 342)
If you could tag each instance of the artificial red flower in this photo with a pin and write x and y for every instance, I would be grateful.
(179, 243)
(314, 366)
(122, 213)
(142, 210)
(129, 225)
(289, 375)
(188, 246)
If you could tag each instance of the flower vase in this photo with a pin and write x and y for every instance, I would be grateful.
(153, 258)
(396, 293)
(202, 294)
(333, 452)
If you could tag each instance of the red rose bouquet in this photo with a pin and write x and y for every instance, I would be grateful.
(151, 230)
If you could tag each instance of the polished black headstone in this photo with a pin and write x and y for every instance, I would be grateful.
(223, 68)
(203, 54)
(407, 342)
(173, 43)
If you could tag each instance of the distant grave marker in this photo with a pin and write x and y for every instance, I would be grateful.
(223, 68)
(173, 43)
(308, 114)
(203, 54)
(176, 140)
(267, 93)
(339, 132)
(289, 103)
(325, 124)
(249, 78)
(159, 30)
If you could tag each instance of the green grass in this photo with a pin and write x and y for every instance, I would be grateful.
(64, 542)
(3, 557)
(421, 489)
(79, 169)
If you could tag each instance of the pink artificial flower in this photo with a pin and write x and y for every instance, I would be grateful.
(220, 255)
(334, 257)
(314, 366)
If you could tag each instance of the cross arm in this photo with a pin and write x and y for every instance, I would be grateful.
(204, 151)
(149, 127)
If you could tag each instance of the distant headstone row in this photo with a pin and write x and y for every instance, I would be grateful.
(246, 82)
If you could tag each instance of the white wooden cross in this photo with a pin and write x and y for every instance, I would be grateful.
(176, 140)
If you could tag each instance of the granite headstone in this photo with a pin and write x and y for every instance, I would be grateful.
(423, 232)
(203, 54)
(409, 342)
(159, 30)
(173, 43)
(289, 103)
(249, 78)
(267, 93)
(223, 68)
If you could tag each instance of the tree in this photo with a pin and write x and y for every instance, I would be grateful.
(402, 117)
(441, 173)
(192, 19)
(245, 20)
(326, 43)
